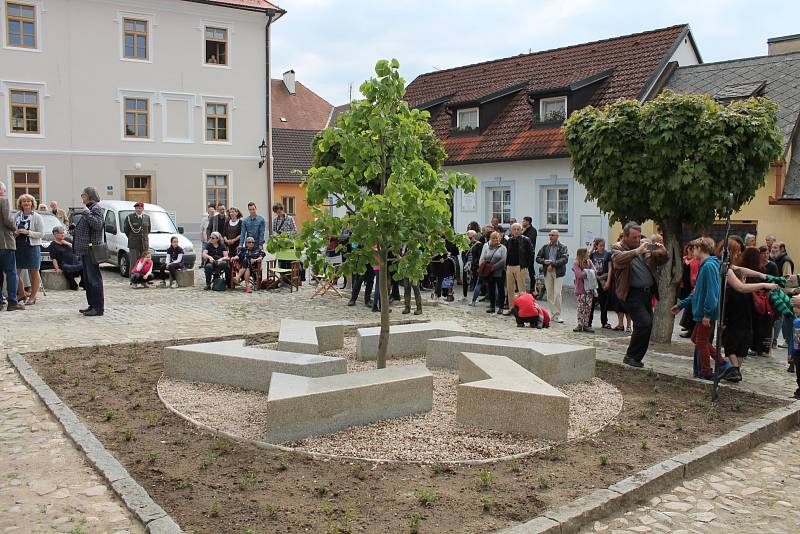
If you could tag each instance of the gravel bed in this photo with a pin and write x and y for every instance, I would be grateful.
(434, 436)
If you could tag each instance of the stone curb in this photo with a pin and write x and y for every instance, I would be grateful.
(136, 499)
(649, 482)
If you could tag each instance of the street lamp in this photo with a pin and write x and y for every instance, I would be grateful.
(262, 151)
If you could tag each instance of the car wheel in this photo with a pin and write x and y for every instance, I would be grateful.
(124, 265)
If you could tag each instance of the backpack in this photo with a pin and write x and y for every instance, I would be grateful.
(219, 284)
(761, 303)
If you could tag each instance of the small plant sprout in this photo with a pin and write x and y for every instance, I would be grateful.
(438, 467)
(76, 381)
(208, 459)
(180, 440)
(360, 470)
(488, 503)
(711, 414)
(426, 496)
(113, 382)
(249, 479)
(737, 406)
(645, 444)
(644, 414)
(152, 456)
(543, 482)
(650, 372)
(109, 414)
(678, 424)
(92, 394)
(271, 510)
(137, 402)
(248, 530)
(513, 465)
(216, 508)
(221, 445)
(655, 388)
(62, 370)
(151, 418)
(485, 478)
(97, 347)
(557, 454)
(283, 463)
(129, 434)
(182, 484)
(322, 489)
(415, 523)
(604, 459)
(652, 402)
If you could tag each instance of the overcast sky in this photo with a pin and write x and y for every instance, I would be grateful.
(333, 43)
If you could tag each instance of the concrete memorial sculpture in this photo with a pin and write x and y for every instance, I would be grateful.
(234, 364)
(311, 337)
(555, 363)
(404, 339)
(497, 393)
(298, 407)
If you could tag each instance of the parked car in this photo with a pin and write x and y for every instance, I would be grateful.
(50, 222)
(162, 229)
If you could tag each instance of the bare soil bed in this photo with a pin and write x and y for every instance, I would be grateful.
(432, 436)
(209, 484)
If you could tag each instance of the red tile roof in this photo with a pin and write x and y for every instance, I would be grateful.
(633, 59)
(256, 5)
(304, 110)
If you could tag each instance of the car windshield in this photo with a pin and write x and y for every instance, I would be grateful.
(160, 223)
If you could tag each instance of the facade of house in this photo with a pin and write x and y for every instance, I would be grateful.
(776, 206)
(501, 121)
(157, 100)
(298, 114)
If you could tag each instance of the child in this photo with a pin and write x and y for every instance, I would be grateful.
(585, 284)
(794, 345)
(249, 260)
(527, 310)
(174, 260)
(143, 271)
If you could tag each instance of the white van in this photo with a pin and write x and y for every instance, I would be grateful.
(162, 229)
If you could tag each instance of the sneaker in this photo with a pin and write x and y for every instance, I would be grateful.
(507, 312)
(709, 377)
(471, 303)
(521, 325)
(588, 329)
(406, 311)
(491, 310)
(632, 362)
(463, 299)
(500, 311)
(782, 344)
(685, 335)
(557, 318)
(578, 329)
(444, 300)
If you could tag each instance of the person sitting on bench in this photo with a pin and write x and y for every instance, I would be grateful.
(216, 258)
(249, 259)
(64, 259)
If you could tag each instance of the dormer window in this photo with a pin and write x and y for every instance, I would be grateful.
(553, 109)
(467, 119)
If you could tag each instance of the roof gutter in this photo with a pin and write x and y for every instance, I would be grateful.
(271, 17)
(277, 13)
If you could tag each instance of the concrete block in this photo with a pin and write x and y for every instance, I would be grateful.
(555, 363)
(537, 525)
(53, 281)
(760, 430)
(404, 339)
(163, 525)
(298, 407)
(732, 444)
(311, 337)
(787, 417)
(232, 363)
(648, 482)
(185, 278)
(583, 510)
(698, 460)
(499, 394)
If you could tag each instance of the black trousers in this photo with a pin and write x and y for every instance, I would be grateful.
(369, 279)
(71, 272)
(497, 291)
(602, 300)
(93, 283)
(215, 270)
(639, 305)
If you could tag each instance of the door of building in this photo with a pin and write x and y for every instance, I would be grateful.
(138, 188)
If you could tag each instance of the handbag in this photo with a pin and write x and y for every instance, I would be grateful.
(219, 284)
(99, 253)
(761, 303)
(485, 268)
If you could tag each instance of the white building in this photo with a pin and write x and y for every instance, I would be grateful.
(501, 122)
(157, 100)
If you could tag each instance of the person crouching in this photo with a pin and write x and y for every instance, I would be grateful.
(527, 310)
(142, 272)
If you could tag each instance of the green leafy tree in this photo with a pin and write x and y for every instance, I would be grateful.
(673, 160)
(382, 163)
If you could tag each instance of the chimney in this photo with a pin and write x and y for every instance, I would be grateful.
(288, 81)
(783, 45)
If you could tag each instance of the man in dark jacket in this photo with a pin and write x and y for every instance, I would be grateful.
(8, 247)
(553, 258)
(530, 232)
(519, 252)
(136, 228)
(89, 231)
(635, 273)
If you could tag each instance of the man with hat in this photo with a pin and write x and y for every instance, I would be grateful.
(137, 228)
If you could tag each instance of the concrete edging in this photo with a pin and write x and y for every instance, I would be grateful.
(648, 482)
(154, 518)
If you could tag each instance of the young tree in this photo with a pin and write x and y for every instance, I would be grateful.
(673, 160)
(382, 163)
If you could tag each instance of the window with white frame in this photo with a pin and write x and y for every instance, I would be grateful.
(288, 205)
(216, 121)
(467, 119)
(24, 111)
(137, 117)
(553, 109)
(556, 207)
(217, 185)
(216, 40)
(27, 182)
(20, 25)
(500, 204)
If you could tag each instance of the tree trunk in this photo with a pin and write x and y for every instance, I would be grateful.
(383, 339)
(668, 283)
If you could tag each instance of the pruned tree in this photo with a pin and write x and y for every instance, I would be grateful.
(382, 163)
(673, 160)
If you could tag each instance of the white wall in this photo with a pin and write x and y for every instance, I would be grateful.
(82, 77)
(528, 181)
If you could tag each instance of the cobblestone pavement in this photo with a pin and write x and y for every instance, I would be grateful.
(35, 497)
(759, 492)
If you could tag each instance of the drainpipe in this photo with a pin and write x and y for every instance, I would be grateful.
(270, 185)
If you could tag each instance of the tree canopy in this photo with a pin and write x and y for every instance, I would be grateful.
(382, 163)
